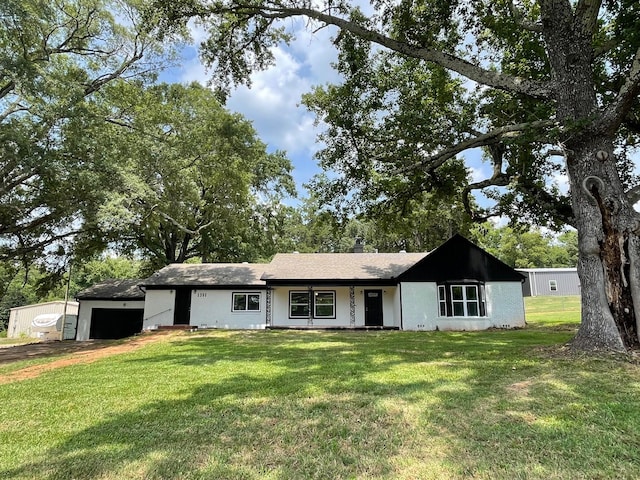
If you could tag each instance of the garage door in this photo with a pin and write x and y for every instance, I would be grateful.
(107, 323)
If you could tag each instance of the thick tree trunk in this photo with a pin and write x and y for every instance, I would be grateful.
(607, 227)
(608, 261)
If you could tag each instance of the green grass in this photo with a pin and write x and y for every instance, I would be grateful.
(289, 405)
(15, 341)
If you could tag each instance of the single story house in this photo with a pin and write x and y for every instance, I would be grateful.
(550, 281)
(457, 286)
(110, 309)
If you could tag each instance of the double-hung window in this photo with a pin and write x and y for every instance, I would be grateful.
(299, 304)
(321, 303)
(324, 304)
(464, 300)
(246, 302)
(553, 285)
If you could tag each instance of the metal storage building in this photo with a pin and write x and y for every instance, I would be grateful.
(550, 281)
(44, 321)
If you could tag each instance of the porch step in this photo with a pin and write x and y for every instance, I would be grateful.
(177, 327)
(318, 327)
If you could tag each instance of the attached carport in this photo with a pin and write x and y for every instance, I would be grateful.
(110, 310)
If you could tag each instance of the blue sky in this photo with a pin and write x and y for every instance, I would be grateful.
(272, 103)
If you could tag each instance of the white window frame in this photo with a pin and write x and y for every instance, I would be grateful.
(464, 301)
(553, 285)
(332, 295)
(246, 308)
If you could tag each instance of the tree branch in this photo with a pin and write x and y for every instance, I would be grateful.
(633, 195)
(467, 69)
(99, 82)
(616, 113)
(7, 88)
(181, 227)
(586, 15)
(482, 140)
(521, 21)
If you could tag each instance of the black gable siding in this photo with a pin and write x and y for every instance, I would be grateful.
(458, 259)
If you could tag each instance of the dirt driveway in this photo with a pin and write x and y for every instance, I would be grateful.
(72, 353)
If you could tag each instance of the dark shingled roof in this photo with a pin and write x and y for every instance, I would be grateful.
(207, 275)
(113, 290)
(339, 266)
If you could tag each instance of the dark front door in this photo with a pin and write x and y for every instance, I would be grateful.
(373, 308)
(182, 310)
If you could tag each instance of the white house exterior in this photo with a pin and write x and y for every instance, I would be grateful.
(457, 286)
(503, 300)
(110, 309)
(336, 290)
(212, 295)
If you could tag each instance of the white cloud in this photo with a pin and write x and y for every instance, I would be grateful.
(273, 102)
(477, 174)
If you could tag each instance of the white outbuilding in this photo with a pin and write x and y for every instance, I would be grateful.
(44, 321)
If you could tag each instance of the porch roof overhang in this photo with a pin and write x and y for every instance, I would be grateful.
(324, 282)
(201, 286)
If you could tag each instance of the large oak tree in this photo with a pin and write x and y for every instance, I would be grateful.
(549, 77)
(189, 179)
(54, 58)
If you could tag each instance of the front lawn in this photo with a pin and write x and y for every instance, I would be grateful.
(289, 405)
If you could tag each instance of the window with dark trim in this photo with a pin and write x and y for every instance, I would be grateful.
(324, 304)
(299, 304)
(246, 302)
(461, 300)
(442, 300)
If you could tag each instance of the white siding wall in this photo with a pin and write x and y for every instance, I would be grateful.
(214, 309)
(505, 304)
(504, 308)
(158, 308)
(87, 306)
(419, 306)
(390, 306)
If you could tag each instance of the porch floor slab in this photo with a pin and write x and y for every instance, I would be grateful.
(328, 327)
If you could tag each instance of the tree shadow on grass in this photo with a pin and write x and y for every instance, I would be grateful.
(243, 427)
(389, 405)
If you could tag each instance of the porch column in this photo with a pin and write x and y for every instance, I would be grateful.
(352, 306)
(268, 306)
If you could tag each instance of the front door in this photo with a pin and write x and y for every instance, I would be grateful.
(182, 310)
(373, 308)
